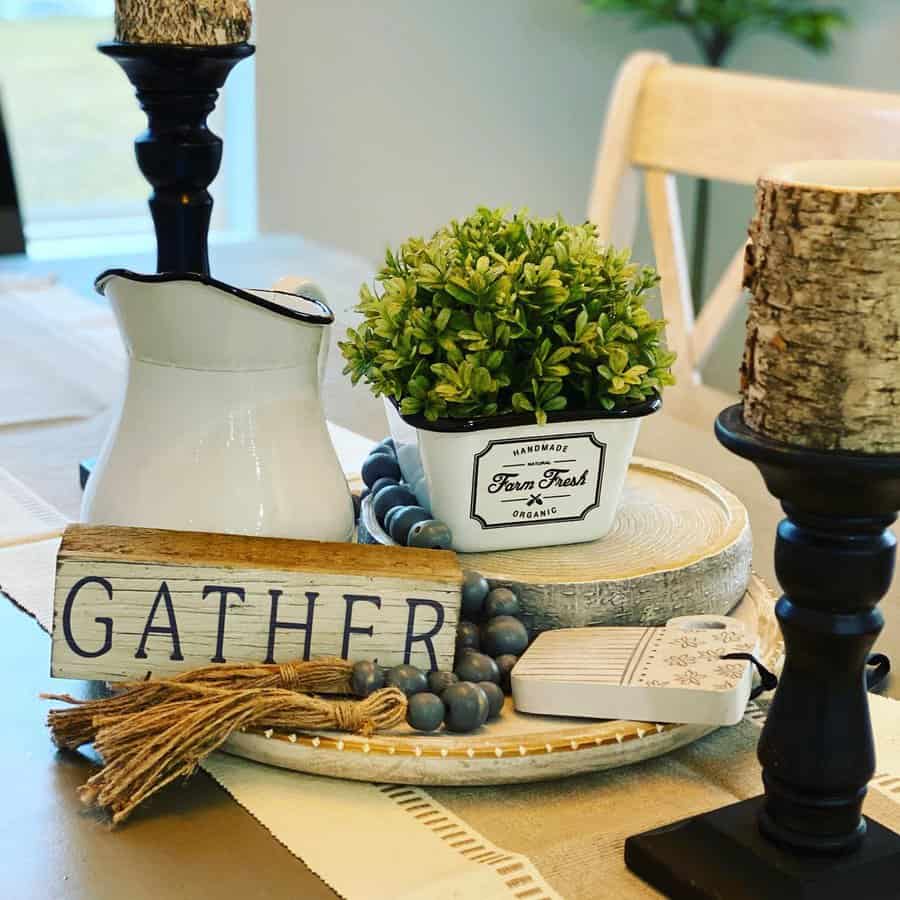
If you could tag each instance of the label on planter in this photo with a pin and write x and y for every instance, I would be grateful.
(532, 481)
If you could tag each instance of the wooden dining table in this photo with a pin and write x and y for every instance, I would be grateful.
(50, 846)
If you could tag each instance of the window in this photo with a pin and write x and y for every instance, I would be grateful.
(72, 118)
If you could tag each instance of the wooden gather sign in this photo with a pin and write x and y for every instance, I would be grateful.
(137, 602)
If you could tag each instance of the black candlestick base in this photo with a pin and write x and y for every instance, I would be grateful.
(834, 558)
(177, 87)
(722, 855)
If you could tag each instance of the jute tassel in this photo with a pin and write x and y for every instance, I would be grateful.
(73, 727)
(145, 750)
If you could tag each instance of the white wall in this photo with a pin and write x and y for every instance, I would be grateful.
(378, 120)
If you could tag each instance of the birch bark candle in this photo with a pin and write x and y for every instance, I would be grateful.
(183, 22)
(821, 364)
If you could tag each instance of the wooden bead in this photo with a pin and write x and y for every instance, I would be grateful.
(477, 667)
(425, 712)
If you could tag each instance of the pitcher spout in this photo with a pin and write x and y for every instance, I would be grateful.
(194, 321)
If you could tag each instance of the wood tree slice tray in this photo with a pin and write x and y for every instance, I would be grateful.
(680, 545)
(515, 748)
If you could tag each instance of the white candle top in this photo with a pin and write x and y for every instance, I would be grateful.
(853, 175)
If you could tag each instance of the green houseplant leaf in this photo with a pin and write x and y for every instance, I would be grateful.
(715, 25)
(508, 314)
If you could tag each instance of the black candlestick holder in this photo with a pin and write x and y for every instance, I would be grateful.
(177, 87)
(806, 836)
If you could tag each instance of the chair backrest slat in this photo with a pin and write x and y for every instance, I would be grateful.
(614, 206)
(732, 127)
(718, 309)
(668, 119)
(671, 260)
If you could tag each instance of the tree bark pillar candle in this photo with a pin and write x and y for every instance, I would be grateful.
(183, 22)
(821, 386)
(821, 364)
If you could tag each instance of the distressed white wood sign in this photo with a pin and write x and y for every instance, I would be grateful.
(680, 673)
(133, 602)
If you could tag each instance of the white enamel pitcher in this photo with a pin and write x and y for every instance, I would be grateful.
(221, 428)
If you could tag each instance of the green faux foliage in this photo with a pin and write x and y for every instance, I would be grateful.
(715, 25)
(500, 314)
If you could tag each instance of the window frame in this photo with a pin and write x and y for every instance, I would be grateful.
(127, 227)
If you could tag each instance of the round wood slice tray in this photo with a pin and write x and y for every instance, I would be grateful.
(517, 747)
(680, 545)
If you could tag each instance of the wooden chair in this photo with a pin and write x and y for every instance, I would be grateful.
(666, 119)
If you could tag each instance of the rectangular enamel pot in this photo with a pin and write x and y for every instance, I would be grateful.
(505, 482)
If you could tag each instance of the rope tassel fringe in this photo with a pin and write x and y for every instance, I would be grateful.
(70, 728)
(151, 733)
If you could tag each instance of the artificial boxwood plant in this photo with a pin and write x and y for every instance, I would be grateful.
(508, 314)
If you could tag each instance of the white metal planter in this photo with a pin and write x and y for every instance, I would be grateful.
(505, 482)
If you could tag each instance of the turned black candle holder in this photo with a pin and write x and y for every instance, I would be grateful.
(806, 836)
(178, 87)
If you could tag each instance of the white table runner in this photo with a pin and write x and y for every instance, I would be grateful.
(24, 516)
(409, 841)
(402, 836)
(406, 845)
(60, 356)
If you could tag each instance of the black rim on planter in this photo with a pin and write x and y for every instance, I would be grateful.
(511, 420)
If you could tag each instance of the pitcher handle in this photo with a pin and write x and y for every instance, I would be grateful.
(306, 287)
